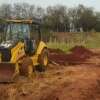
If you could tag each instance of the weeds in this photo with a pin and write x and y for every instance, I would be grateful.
(89, 40)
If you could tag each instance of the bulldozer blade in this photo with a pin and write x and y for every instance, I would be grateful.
(7, 71)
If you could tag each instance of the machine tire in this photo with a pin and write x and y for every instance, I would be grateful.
(43, 60)
(27, 67)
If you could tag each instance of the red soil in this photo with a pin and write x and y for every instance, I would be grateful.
(78, 55)
(79, 82)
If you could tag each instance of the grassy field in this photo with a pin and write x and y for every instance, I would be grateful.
(89, 40)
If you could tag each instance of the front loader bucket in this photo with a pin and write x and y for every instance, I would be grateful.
(7, 71)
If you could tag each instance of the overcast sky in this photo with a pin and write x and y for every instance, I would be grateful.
(70, 3)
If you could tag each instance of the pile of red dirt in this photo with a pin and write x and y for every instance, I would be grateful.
(82, 50)
(78, 55)
(57, 56)
(56, 51)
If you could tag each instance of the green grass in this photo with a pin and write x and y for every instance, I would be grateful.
(90, 41)
(56, 45)
(93, 41)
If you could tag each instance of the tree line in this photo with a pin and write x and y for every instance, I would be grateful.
(56, 18)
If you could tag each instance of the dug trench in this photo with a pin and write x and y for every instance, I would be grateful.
(76, 55)
(72, 76)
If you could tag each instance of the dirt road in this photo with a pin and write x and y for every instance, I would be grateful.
(60, 82)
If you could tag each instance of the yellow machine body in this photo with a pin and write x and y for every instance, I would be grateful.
(18, 52)
(10, 69)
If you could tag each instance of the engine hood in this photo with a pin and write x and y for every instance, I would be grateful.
(5, 50)
(7, 44)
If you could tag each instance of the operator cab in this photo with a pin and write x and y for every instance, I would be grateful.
(25, 31)
(17, 31)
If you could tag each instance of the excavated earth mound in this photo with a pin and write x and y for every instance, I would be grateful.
(77, 55)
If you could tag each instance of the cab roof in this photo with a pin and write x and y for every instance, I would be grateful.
(28, 21)
(20, 21)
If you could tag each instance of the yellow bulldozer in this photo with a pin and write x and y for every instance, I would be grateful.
(21, 50)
